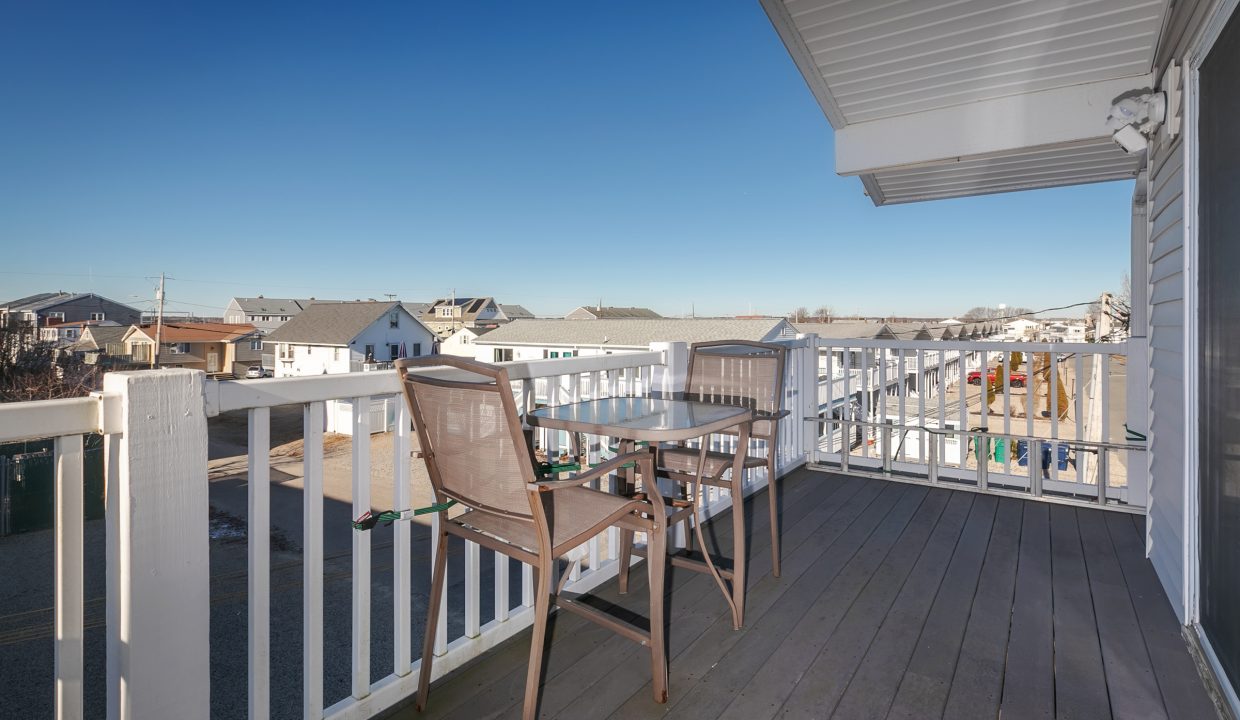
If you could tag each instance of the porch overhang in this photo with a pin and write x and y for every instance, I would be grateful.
(950, 99)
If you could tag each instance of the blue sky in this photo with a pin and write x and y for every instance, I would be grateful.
(550, 154)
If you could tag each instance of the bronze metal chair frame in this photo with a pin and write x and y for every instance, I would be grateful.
(768, 423)
(643, 515)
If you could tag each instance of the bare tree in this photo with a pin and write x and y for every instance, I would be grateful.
(823, 313)
(800, 314)
(979, 313)
(32, 369)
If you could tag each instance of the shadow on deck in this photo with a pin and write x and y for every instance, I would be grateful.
(896, 601)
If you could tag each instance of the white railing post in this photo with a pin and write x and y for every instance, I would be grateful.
(158, 567)
(669, 378)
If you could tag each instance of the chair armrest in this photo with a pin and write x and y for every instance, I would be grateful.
(759, 415)
(595, 472)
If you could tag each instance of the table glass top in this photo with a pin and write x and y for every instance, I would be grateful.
(638, 414)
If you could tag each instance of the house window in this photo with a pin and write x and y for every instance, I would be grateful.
(503, 354)
(59, 317)
(256, 344)
(393, 351)
(286, 353)
(394, 320)
(370, 353)
(445, 311)
(417, 349)
(555, 354)
(96, 317)
(253, 318)
(266, 318)
(336, 354)
(284, 318)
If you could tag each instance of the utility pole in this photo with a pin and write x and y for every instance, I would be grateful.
(159, 320)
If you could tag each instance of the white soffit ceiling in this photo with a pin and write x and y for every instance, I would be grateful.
(1076, 164)
(868, 60)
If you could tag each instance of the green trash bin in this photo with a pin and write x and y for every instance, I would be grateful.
(998, 450)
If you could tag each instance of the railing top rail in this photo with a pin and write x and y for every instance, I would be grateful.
(228, 395)
(50, 418)
(989, 345)
(1071, 442)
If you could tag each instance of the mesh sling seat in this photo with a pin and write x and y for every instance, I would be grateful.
(730, 372)
(476, 454)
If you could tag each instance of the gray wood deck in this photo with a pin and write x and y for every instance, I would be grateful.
(896, 601)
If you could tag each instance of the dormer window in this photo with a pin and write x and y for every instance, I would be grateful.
(445, 311)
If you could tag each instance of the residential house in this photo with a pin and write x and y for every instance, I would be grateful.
(1021, 329)
(46, 309)
(601, 312)
(538, 339)
(515, 312)
(101, 344)
(341, 337)
(264, 313)
(227, 348)
(65, 334)
(461, 342)
(447, 315)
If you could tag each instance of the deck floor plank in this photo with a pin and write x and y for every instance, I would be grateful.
(896, 601)
(1080, 681)
(873, 686)
(1130, 675)
(977, 683)
(914, 568)
(835, 574)
(1182, 691)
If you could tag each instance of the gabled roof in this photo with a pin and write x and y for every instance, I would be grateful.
(635, 333)
(194, 332)
(415, 308)
(98, 337)
(844, 330)
(272, 306)
(42, 301)
(337, 323)
(469, 306)
(516, 312)
(616, 313)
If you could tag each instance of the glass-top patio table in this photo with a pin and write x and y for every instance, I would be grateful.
(660, 420)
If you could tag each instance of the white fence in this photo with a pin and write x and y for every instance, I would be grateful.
(158, 582)
(919, 411)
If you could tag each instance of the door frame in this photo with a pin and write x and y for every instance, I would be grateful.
(1196, 54)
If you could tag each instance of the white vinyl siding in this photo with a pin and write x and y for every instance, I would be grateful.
(1166, 376)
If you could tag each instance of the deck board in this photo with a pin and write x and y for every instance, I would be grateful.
(896, 601)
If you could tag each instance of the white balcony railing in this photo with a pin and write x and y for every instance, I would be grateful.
(155, 429)
(885, 408)
(920, 411)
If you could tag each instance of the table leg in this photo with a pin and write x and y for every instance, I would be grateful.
(625, 554)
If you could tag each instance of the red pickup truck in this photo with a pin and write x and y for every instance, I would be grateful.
(1017, 379)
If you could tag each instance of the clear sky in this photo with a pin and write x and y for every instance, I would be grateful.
(665, 154)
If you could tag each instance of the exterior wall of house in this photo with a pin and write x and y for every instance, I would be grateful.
(460, 344)
(242, 355)
(1166, 263)
(265, 323)
(82, 309)
(312, 360)
(416, 338)
(484, 352)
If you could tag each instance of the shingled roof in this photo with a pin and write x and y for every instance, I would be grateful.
(324, 323)
(635, 333)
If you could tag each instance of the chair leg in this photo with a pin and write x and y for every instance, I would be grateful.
(626, 556)
(533, 675)
(738, 549)
(432, 620)
(772, 493)
(656, 564)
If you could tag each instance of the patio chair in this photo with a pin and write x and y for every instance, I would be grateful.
(476, 454)
(732, 372)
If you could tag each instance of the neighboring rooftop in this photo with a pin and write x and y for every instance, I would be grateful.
(603, 312)
(196, 332)
(272, 306)
(862, 330)
(635, 333)
(331, 323)
(516, 312)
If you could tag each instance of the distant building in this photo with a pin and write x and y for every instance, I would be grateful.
(264, 313)
(100, 344)
(65, 334)
(210, 347)
(538, 339)
(601, 312)
(342, 337)
(46, 309)
(461, 342)
(515, 312)
(447, 315)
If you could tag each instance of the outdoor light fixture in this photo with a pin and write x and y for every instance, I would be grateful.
(1134, 118)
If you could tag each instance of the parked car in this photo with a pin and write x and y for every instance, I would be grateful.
(256, 371)
(1017, 379)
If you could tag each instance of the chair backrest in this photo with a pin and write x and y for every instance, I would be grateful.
(466, 419)
(738, 372)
